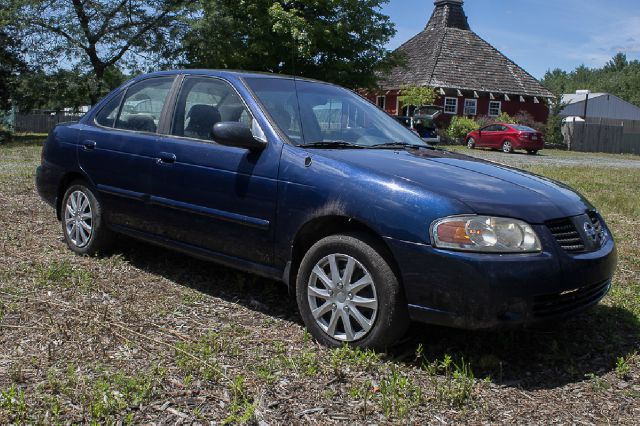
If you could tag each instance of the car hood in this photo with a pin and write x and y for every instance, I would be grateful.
(486, 188)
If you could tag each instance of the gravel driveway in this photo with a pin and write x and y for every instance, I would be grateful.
(553, 158)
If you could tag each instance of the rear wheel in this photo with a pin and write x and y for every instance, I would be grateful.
(348, 293)
(532, 151)
(471, 143)
(82, 223)
(507, 147)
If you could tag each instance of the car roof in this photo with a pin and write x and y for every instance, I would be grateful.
(226, 74)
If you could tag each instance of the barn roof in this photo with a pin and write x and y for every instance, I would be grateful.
(447, 54)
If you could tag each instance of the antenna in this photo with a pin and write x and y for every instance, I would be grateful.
(294, 47)
(293, 55)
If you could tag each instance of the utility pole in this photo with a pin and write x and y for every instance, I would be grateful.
(586, 101)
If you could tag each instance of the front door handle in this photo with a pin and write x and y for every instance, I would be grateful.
(89, 145)
(166, 158)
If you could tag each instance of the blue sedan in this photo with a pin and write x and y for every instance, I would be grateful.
(308, 183)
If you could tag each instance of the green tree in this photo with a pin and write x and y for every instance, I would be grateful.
(97, 35)
(12, 63)
(61, 88)
(341, 41)
(556, 81)
(553, 129)
(617, 64)
(417, 96)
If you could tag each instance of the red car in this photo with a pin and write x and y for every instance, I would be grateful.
(507, 137)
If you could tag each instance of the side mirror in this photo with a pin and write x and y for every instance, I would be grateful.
(232, 133)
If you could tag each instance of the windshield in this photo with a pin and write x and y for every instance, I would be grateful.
(524, 129)
(322, 113)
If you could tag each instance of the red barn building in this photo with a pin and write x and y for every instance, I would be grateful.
(472, 77)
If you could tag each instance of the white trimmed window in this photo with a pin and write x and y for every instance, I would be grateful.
(451, 105)
(470, 107)
(495, 108)
(381, 102)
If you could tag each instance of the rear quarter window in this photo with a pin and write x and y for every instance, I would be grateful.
(108, 114)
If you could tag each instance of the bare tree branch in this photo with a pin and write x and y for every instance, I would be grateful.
(108, 18)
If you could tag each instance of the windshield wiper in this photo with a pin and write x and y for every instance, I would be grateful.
(401, 145)
(331, 144)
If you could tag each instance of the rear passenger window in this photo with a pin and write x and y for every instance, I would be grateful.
(143, 105)
(107, 115)
(202, 103)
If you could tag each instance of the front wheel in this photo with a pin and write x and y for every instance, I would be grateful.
(348, 293)
(82, 222)
(507, 147)
(471, 143)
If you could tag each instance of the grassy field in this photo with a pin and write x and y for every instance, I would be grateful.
(147, 335)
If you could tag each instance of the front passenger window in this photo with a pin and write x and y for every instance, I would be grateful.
(143, 105)
(202, 103)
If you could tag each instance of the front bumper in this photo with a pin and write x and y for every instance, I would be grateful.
(480, 291)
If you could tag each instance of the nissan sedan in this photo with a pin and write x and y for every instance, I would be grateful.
(307, 183)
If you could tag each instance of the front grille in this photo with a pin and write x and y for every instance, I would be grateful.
(566, 234)
(567, 301)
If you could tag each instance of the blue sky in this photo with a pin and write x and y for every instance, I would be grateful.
(539, 34)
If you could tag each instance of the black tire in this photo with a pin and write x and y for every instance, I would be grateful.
(507, 147)
(391, 319)
(100, 238)
(532, 151)
(471, 143)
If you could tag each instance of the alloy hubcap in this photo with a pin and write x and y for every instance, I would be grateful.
(342, 297)
(78, 219)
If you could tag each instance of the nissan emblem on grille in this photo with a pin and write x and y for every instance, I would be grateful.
(590, 230)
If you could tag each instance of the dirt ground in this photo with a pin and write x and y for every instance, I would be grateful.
(145, 335)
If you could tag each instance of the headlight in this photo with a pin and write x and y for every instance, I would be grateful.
(485, 234)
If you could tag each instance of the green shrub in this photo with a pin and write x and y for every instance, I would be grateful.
(506, 118)
(460, 127)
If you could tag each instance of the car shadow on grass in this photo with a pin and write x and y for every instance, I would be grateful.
(584, 347)
(248, 290)
(571, 351)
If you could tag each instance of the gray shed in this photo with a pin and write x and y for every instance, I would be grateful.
(600, 105)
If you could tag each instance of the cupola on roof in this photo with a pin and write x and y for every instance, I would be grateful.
(448, 14)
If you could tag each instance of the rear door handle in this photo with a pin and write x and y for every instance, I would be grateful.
(89, 145)
(166, 158)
